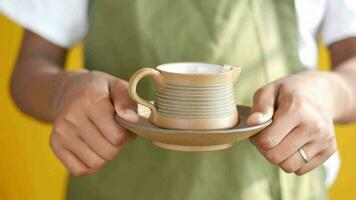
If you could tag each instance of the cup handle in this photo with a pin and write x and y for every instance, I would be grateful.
(135, 78)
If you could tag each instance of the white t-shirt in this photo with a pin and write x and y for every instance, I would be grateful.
(65, 23)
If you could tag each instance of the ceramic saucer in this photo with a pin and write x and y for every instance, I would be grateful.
(193, 140)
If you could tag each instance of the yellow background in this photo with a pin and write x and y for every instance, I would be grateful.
(28, 168)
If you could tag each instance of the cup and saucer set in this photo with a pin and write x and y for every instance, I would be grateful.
(194, 108)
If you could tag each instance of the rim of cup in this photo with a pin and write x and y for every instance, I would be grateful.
(194, 68)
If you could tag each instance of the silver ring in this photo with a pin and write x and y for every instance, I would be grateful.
(303, 155)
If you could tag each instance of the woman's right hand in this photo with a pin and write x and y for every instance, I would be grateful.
(85, 134)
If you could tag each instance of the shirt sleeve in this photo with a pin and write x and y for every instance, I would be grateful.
(62, 22)
(339, 20)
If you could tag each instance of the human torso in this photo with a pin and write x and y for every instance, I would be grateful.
(260, 36)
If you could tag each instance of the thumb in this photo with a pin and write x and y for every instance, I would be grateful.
(263, 105)
(124, 106)
(128, 114)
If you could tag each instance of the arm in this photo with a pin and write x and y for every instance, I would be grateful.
(81, 105)
(304, 107)
(36, 77)
(343, 57)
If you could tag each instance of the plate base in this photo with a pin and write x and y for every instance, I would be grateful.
(192, 148)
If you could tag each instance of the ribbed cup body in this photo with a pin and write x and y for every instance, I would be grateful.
(205, 101)
(196, 106)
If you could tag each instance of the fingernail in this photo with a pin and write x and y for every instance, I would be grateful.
(131, 112)
(129, 115)
(256, 117)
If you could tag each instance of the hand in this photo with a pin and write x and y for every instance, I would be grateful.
(85, 134)
(302, 109)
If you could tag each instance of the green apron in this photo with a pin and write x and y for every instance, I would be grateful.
(258, 35)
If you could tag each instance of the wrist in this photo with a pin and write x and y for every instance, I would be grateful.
(63, 81)
(341, 94)
(329, 89)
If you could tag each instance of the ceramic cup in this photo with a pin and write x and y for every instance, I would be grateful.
(193, 96)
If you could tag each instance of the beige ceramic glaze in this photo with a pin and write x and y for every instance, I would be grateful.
(190, 96)
(193, 140)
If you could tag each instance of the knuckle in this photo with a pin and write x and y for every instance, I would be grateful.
(55, 145)
(95, 97)
(96, 163)
(80, 171)
(95, 73)
(267, 142)
(59, 134)
(319, 126)
(300, 172)
(273, 157)
(330, 137)
(306, 133)
(61, 128)
(288, 167)
(58, 127)
(119, 84)
(298, 104)
(111, 153)
(283, 88)
(100, 98)
(85, 94)
(52, 141)
(117, 139)
(92, 95)
(260, 93)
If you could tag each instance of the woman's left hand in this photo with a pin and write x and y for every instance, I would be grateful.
(302, 107)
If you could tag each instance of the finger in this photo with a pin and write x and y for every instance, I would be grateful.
(96, 141)
(288, 146)
(263, 105)
(295, 161)
(82, 151)
(317, 160)
(102, 115)
(91, 136)
(70, 140)
(284, 121)
(74, 165)
(124, 106)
